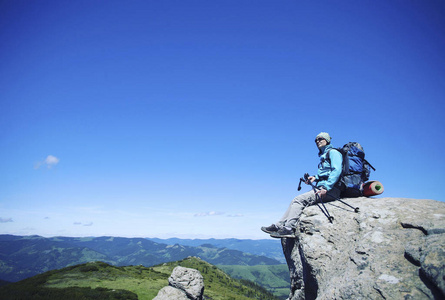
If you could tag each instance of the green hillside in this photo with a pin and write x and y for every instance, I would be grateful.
(98, 280)
(274, 278)
(267, 247)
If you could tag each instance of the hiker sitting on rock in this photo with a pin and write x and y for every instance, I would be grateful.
(329, 171)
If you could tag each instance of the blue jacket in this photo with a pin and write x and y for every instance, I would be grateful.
(329, 173)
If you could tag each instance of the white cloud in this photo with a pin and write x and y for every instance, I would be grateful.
(49, 162)
(235, 215)
(86, 224)
(6, 220)
(209, 213)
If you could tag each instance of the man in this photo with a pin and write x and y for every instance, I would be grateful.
(329, 171)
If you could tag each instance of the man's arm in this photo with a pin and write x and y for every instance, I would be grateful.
(336, 165)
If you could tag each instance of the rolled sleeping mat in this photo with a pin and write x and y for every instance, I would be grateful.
(373, 188)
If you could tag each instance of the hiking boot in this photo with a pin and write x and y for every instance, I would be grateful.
(283, 233)
(270, 229)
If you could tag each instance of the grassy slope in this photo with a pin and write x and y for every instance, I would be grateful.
(143, 281)
(121, 282)
(218, 285)
(274, 278)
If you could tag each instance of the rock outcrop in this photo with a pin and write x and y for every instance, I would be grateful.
(393, 248)
(184, 284)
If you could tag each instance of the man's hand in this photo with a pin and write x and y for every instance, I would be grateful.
(311, 179)
(322, 193)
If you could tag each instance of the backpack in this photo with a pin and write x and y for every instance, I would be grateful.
(355, 170)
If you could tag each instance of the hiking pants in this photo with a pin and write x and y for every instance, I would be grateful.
(292, 215)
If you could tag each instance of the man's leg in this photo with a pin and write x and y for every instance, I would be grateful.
(291, 216)
(332, 195)
(290, 219)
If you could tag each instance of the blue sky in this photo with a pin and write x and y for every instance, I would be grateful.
(196, 119)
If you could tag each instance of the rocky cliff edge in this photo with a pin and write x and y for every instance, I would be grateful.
(393, 248)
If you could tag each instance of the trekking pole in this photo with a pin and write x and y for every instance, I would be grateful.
(356, 209)
(325, 211)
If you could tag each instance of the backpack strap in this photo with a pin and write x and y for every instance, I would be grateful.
(326, 159)
(365, 161)
(327, 154)
(339, 184)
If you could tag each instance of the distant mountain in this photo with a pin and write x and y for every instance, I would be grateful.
(269, 248)
(3, 282)
(22, 257)
(99, 280)
(26, 256)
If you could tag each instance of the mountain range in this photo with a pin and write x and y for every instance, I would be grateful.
(267, 247)
(25, 256)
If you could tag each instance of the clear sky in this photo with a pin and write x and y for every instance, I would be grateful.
(196, 119)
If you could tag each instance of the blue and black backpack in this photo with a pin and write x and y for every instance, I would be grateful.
(355, 170)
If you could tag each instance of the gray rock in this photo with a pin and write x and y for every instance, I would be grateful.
(391, 249)
(171, 293)
(188, 280)
(184, 284)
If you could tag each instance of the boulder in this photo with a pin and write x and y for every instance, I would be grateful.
(188, 280)
(184, 283)
(171, 293)
(391, 249)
